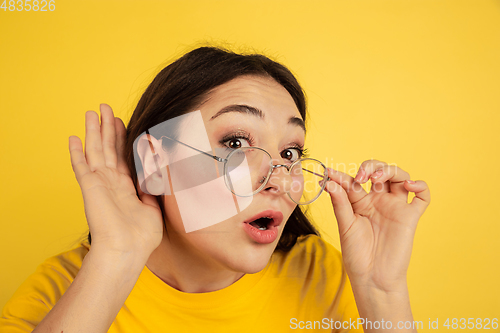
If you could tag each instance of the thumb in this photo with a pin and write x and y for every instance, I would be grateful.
(341, 206)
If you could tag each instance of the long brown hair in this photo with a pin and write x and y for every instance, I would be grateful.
(184, 84)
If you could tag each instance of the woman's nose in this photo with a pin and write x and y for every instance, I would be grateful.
(280, 180)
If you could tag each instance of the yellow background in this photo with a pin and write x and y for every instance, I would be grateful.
(414, 83)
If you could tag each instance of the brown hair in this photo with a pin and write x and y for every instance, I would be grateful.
(183, 85)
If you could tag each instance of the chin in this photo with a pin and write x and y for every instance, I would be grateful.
(253, 267)
(254, 259)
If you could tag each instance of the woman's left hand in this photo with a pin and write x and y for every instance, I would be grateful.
(377, 228)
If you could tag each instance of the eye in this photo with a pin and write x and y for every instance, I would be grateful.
(237, 142)
(291, 154)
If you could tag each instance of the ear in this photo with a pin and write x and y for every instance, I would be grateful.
(154, 179)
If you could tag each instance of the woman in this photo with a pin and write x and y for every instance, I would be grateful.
(154, 265)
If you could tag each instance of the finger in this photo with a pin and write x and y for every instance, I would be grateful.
(341, 206)
(121, 163)
(422, 197)
(367, 170)
(354, 190)
(78, 162)
(108, 135)
(394, 177)
(93, 145)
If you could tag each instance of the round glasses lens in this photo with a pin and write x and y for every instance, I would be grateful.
(246, 170)
(308, 177)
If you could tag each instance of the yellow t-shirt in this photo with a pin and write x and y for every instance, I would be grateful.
(303, 289)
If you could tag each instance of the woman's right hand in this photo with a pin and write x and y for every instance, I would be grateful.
(118, 220)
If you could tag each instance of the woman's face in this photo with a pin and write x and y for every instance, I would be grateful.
(247, 111)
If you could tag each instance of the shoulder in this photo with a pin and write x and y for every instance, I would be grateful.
(40, 292)
(311, 256)
(55, 274)
(313, 273)
(63, 266)
(317, 245)
(67, 263)
(314, 249)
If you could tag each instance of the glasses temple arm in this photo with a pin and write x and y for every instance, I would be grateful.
(314, 173)
(217, 158)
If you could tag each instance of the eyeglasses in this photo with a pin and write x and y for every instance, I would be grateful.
(247, 171)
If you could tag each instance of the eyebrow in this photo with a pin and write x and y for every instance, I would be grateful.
(247, 109)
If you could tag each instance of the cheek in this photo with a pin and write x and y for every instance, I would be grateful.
(287, 212)
(202, 202)
(172, 214)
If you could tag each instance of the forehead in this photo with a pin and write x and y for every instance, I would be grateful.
(259, 92)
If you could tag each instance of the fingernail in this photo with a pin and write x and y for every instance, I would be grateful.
(410, 181)
(377, 174)
(360, 176)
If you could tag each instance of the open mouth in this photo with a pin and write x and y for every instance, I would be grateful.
(266, 219)
(263, 227)
(262, 223)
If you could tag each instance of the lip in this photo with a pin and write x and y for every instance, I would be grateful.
(264, 236)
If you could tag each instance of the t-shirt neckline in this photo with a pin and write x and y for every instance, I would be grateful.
(160, 289)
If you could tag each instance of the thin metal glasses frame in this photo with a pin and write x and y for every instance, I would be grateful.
(268, 176)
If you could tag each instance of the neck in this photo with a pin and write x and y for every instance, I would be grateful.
(186, 269)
